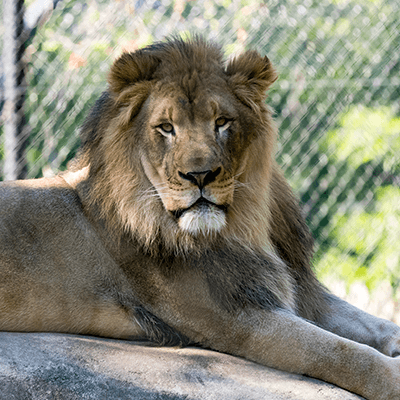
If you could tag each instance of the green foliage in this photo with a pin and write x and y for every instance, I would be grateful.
(367, 244)
(363, 242)
(366, 135)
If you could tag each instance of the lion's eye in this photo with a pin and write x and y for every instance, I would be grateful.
(166, 128)
(220, 122)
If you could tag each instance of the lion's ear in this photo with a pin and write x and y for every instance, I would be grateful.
(129, 82)
(250, 75)
(132, 68)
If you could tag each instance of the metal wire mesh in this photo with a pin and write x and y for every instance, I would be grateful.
(336, 102)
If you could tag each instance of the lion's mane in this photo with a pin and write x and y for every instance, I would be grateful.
(264, 220)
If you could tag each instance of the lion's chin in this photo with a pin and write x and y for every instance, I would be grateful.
(202, 219)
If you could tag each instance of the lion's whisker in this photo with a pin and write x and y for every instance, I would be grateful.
(241, 184)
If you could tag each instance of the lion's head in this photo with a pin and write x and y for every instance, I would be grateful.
(180, 146)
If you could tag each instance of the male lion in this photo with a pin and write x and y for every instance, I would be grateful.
(177, 225)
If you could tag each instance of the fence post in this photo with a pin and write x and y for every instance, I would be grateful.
(15, 132)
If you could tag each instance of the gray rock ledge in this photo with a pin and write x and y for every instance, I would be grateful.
(57, 366)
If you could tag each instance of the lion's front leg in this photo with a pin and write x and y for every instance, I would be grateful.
(350, 322)
(284, 341)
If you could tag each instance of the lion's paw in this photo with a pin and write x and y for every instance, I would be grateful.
(391, 345)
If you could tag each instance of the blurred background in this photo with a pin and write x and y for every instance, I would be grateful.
(337, 103)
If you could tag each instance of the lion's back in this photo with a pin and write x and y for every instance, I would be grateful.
(32, 210)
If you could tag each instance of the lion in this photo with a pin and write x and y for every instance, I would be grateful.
(176, 225)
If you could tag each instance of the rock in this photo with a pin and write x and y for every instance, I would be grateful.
(58, 366)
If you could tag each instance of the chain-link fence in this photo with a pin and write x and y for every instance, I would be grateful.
(337, 103)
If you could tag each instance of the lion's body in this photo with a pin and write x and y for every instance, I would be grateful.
(176, 225)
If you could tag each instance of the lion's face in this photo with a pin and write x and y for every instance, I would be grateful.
(192, 155)
(180, 144)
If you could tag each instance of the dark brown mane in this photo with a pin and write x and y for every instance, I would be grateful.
(187, 56)
(133, 76)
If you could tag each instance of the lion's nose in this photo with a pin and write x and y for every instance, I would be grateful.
(201, 178)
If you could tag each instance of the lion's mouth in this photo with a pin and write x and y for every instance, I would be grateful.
(201, 204)
(202, 217)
